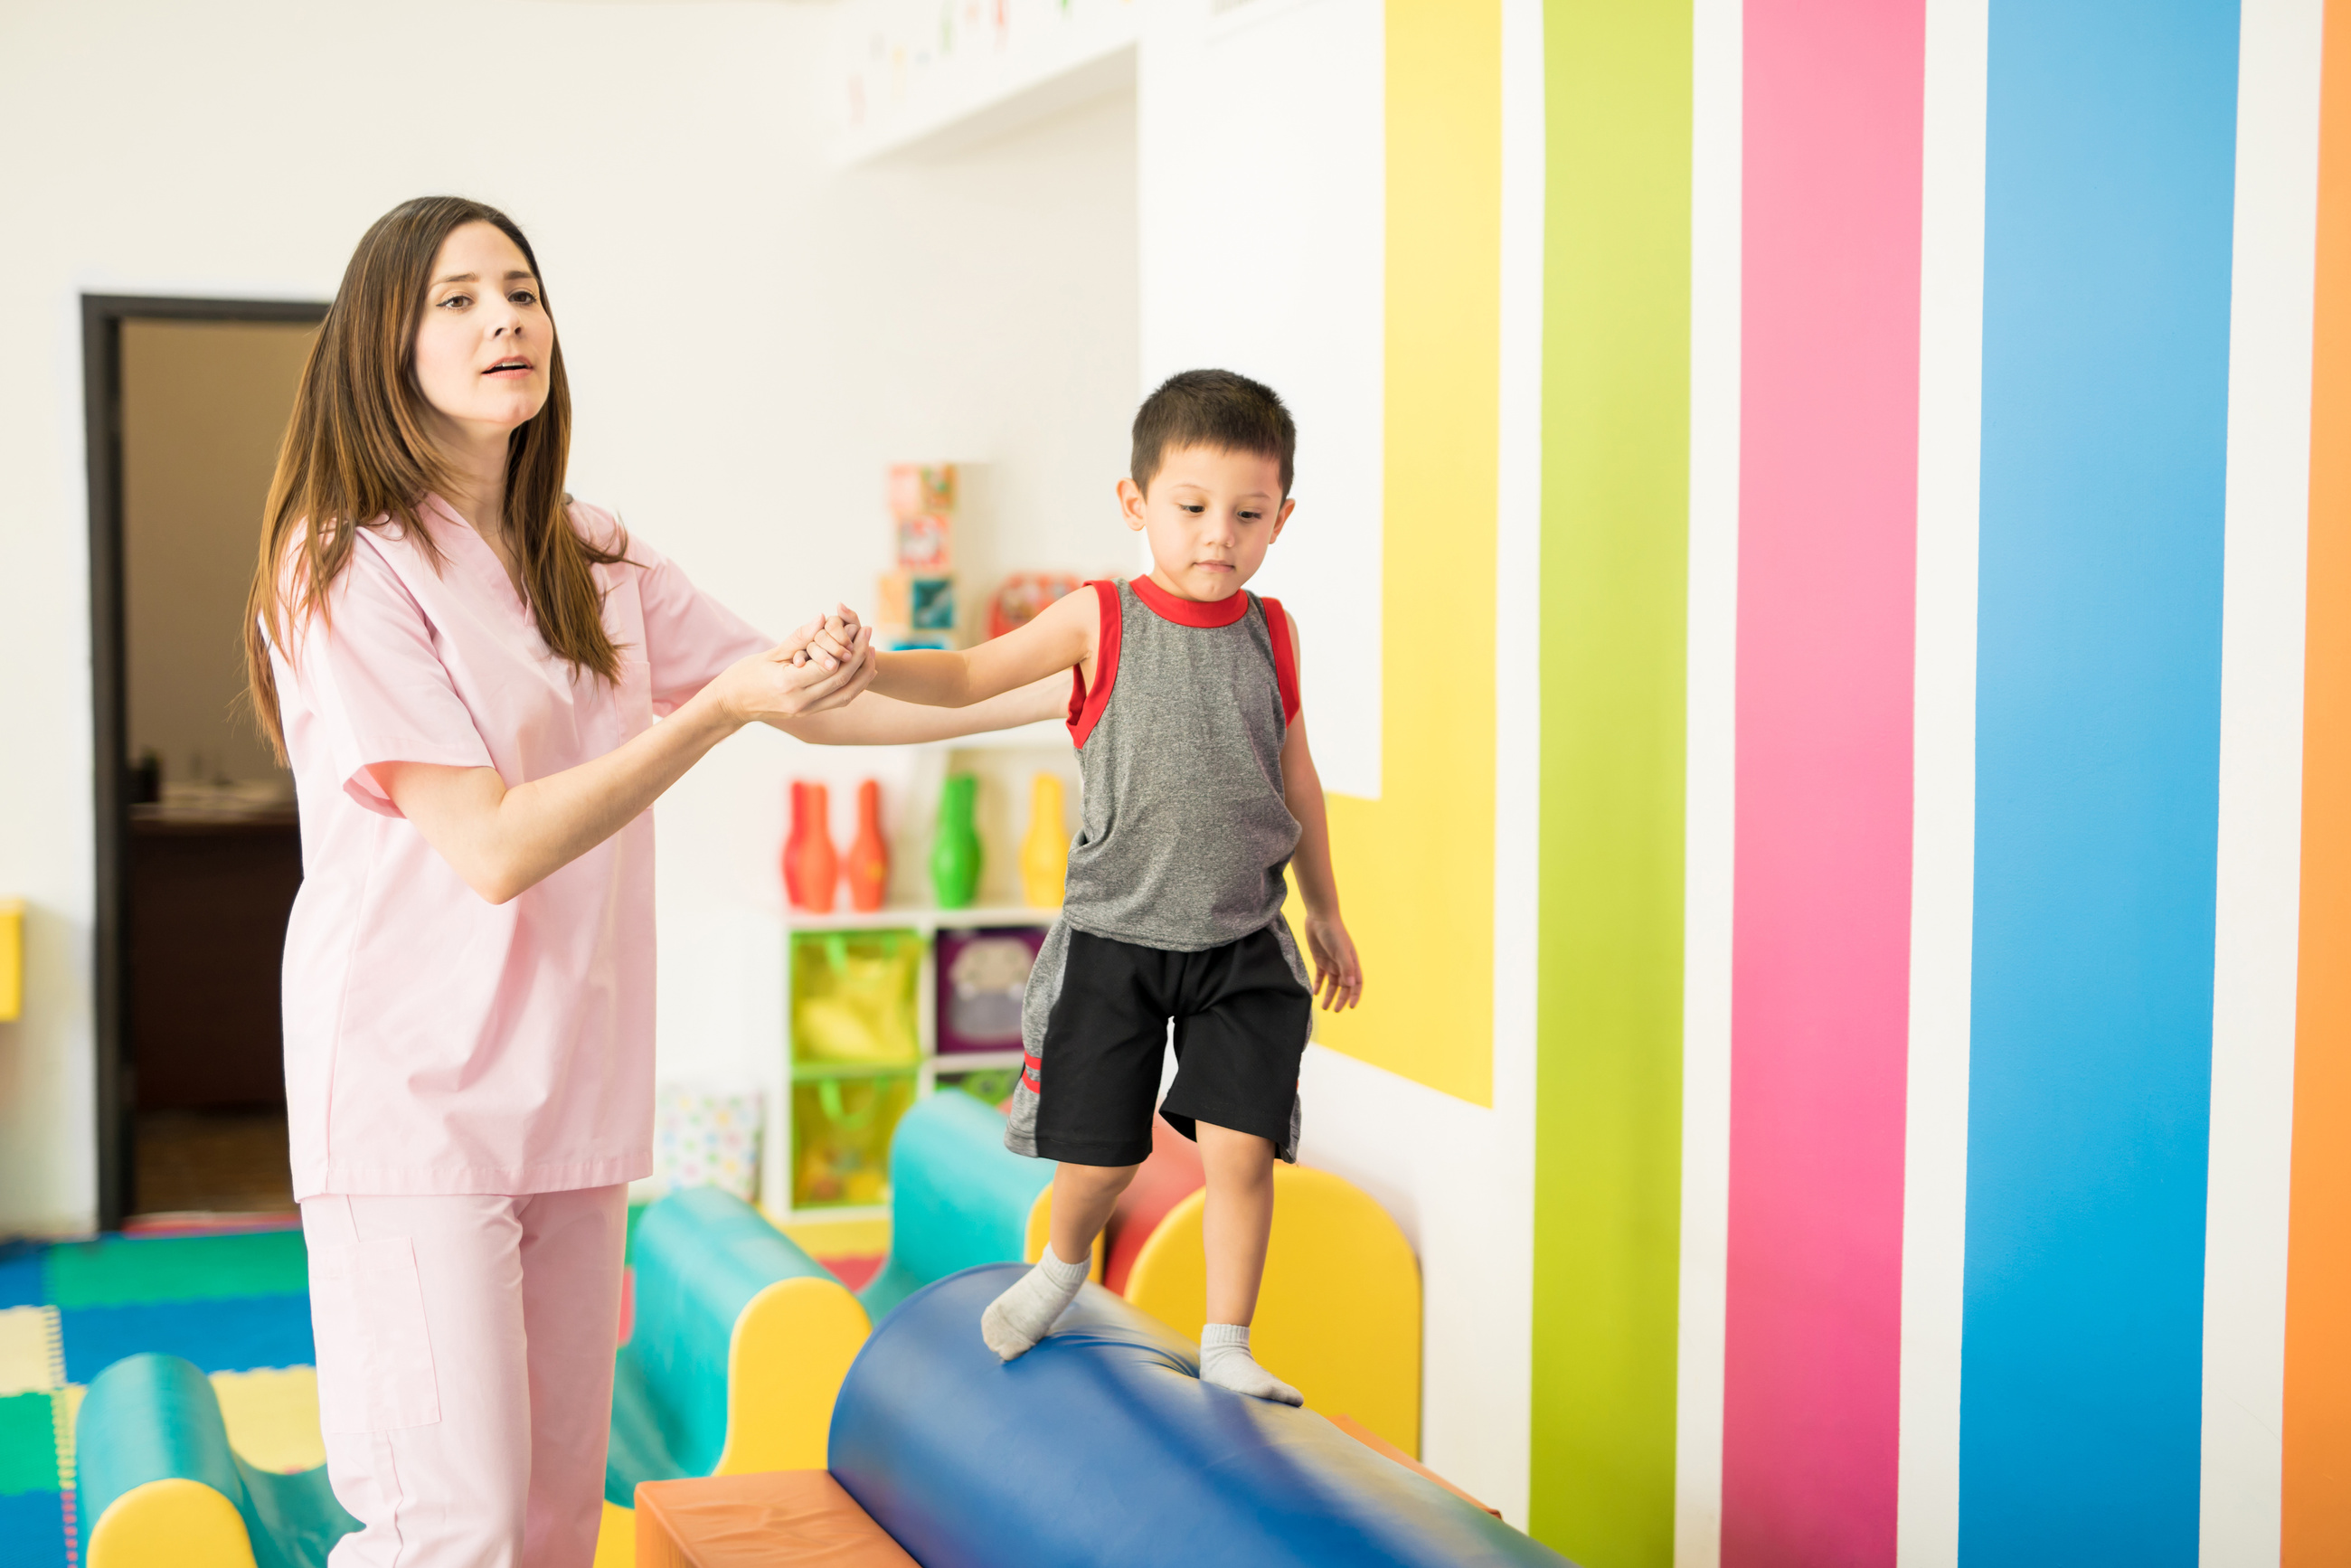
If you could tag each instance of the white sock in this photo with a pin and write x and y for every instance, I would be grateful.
(1018, 1319)
(1226, 1361)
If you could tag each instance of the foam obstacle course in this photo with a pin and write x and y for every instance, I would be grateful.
(1338, 1315)
(739, 1343)
(159, 1483)
(958, 1197)
(1102, 1446)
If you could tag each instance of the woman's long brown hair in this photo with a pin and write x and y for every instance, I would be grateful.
(357, 456)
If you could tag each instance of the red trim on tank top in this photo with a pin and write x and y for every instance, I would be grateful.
(1190, 611)
(1086, 706)
(1285, 658)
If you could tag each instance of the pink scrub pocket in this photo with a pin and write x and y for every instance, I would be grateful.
(375, 1354)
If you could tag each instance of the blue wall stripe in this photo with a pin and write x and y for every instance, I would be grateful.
(2111, 145)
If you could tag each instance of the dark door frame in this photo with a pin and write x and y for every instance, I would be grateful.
(102, 315)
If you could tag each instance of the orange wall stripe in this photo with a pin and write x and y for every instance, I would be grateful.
(2317, 1501)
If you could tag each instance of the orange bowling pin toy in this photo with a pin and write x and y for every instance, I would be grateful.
(869, 857)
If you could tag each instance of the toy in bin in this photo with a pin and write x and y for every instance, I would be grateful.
(840, 1137)
(988, 1085)
(982, 976)
(853, 997)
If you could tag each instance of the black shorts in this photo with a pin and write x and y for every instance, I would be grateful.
(1242, 1019)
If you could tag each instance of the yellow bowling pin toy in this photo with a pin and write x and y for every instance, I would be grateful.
(1045, 851)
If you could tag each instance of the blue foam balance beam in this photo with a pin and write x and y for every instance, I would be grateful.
(1102, 1446)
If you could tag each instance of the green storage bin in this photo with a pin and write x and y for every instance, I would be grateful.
(853, 997)
(841, 1136)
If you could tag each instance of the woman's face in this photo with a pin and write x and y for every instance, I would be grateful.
(484, 343)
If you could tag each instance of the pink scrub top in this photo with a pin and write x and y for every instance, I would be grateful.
(436, 1042)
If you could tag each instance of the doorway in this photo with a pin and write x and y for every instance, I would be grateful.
(198, 855)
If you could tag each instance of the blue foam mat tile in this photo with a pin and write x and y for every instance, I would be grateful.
(32, 1529)
(229, 1334)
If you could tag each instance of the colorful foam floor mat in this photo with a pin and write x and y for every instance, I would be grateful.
(237, 1304)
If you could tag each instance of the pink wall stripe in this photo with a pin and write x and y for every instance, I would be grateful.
(1827, 551)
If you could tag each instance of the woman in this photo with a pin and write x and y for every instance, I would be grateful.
(463, 667)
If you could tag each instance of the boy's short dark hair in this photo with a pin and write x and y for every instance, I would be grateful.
(1212, 408)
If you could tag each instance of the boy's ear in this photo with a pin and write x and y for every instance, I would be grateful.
(1281, 517)
(1129, 503)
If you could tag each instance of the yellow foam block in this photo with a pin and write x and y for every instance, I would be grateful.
(837, 1237)
(616, 1538)
(1040, 1230)
(790, 1349)
(28, 1360)
(183, 1522)
(1338, 1314)
(272, 1415)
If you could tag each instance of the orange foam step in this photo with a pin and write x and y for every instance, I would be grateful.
(762, 1519)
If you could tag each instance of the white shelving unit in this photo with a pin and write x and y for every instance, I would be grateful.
(1003, 760)
(926, 924)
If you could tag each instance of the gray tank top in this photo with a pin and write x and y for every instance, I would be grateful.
(1184, 833)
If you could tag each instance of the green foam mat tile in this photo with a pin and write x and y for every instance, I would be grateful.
(29, 1444)
(118, 1272)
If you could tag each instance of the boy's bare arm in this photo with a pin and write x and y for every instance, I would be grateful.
(1061, 636)
(1338, 973)
(878, 721)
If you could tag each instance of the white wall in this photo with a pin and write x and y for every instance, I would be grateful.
(1282, 275)
(750, 337)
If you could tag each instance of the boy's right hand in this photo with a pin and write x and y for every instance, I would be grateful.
(827, 639)
(795, 679)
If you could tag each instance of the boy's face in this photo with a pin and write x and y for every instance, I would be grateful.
(1209, 514)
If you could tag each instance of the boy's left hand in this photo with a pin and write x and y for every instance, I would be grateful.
(1338, 976)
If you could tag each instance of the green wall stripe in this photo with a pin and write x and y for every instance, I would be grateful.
(1615, 438)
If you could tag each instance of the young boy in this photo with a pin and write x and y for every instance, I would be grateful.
(1198, 791)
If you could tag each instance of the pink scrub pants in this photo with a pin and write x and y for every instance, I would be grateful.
(465, 1351)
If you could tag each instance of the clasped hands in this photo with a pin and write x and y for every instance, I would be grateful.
(820, 666)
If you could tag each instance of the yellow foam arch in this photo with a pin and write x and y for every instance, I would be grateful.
(789, 1351)
(185, 1523)
(1338, 1314)
(1040, 1230)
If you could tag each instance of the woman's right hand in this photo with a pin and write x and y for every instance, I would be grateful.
(767, 687)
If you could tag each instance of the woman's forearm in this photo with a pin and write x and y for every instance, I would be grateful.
(504, 840)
